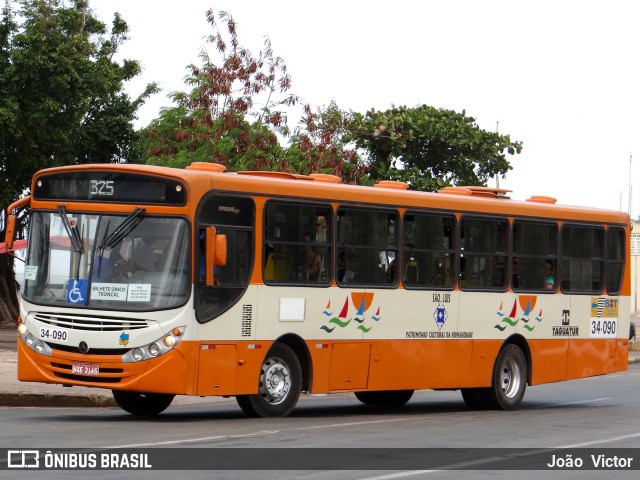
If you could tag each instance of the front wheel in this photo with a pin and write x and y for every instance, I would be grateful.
(509, 380)
(279, 385)
(142, 403)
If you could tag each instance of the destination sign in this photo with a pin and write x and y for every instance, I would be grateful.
(109, 187)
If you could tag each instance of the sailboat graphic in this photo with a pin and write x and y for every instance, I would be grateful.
(527, 304)
(360, 313)
(511, 319)
(361, 301)
(339, 320)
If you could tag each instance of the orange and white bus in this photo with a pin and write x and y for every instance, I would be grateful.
(154, 282)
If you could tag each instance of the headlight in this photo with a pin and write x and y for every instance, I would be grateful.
(156, 348)
(32, 342)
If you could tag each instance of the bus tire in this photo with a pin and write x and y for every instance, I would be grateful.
(146, 404)
(509, 380)
(475, 398)
(279, 385)
(385, 398)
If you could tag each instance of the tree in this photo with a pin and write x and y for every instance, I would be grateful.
(322, 144)
(235, 115)
(430, 148)
(62, 99)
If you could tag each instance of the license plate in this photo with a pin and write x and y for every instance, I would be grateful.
(81, 368)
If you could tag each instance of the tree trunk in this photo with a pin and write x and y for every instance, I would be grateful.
(8, 291)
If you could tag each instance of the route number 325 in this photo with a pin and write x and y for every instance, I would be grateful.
(101, 187)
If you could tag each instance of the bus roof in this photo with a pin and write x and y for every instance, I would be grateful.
(472, 199)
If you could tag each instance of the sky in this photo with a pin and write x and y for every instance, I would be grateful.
(560, 76)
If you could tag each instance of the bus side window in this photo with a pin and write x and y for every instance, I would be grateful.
(369, 238)
(484, 245)
(297, 243)
(534, 246)
(428, 251)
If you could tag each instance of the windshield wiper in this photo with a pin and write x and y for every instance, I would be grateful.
(123, 230)
(95, 244)
(72, 231)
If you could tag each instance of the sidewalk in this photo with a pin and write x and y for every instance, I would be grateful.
(14, 393)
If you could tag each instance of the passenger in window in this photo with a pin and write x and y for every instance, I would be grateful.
(313, 260)
(343, 273)
(342, 266)
(497, 274)
(391, 271)
(549, 281)
(463, 274)
(515, 269)
(139, 256)
(105, 267)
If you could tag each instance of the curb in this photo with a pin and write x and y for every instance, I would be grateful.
(23, 399)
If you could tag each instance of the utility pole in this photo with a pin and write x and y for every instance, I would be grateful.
(497, 175)
(630, 186)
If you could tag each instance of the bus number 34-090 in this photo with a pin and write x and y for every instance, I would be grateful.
(53, 334)
(603, 327)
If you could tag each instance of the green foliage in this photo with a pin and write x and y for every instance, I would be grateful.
(62, 99)
(430, 148)
(232, 115)
(322, 144)
(235, 115)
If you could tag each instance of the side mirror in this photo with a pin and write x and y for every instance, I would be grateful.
(10, 232)
(216, 248)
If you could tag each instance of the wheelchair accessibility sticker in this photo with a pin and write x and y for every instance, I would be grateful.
(77, 291)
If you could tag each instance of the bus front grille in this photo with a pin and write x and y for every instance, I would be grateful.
(90, 322)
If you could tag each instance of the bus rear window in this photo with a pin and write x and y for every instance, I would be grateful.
(615, 260)
(582, 259)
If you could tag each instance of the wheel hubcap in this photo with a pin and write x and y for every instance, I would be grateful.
(510, 378)
(276, 381)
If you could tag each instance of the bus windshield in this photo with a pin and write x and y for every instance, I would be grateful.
(108, 261)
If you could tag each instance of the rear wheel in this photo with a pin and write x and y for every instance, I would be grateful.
(142, 403)
(385, 398)
(509, 379)
(279, 385)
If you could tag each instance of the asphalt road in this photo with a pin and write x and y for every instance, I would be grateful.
(599, 414)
